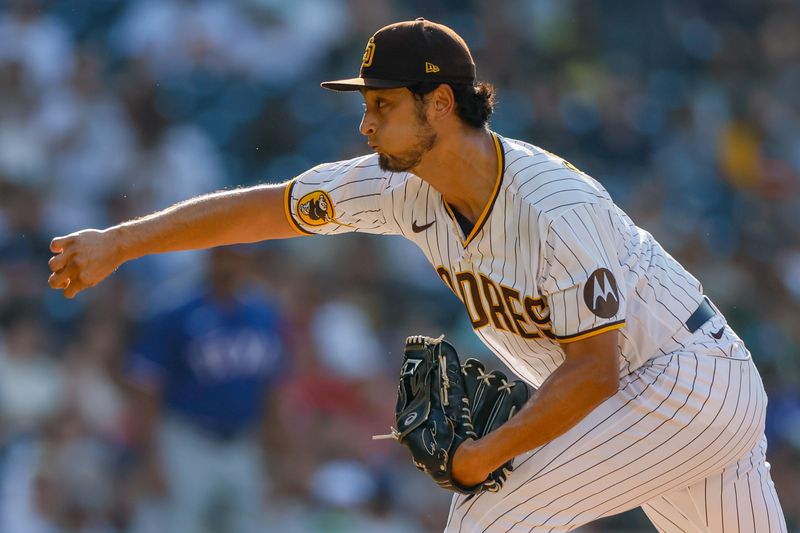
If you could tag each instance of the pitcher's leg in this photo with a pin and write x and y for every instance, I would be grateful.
(743, 497)
(675, 512)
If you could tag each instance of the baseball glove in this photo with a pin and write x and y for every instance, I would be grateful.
(441, 403)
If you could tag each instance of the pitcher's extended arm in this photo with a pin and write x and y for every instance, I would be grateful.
(85, 258)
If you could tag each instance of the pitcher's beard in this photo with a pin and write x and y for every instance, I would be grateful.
(398, 164)
(426, 139)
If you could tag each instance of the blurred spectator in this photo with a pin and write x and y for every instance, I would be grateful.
(31, 383)
(177, 36)
(37, 40)
(91, 142)
(202, 374)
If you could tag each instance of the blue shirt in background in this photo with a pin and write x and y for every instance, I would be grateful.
(213, 361)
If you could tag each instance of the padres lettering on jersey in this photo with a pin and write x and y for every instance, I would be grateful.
(504, 306)
(550, 260)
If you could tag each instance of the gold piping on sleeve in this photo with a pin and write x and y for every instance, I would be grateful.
(287, 209)
(591, 332)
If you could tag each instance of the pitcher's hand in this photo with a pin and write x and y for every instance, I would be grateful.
(83, 259)
(467, 467)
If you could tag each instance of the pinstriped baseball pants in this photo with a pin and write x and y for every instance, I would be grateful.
(683, 438)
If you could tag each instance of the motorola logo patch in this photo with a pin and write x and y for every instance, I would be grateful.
(601, 294)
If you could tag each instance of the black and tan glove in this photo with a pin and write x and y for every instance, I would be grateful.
(442, 402)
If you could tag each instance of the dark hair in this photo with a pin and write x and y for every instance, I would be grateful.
(474, 102)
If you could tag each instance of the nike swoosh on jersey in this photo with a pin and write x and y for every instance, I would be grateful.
(417, 229)
(718, 334)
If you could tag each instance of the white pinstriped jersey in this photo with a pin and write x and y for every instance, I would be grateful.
(550, 260)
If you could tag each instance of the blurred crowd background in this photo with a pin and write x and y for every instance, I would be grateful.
(687, 111)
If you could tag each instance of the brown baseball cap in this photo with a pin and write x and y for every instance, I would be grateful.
(407, 53)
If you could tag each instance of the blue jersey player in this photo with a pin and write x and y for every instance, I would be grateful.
(202, 373)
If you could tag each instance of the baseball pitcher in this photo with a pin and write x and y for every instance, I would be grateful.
(643, 395)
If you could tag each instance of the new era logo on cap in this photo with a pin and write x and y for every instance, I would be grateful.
(407, 53)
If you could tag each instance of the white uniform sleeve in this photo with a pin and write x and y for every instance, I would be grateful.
(341, 197)
(581, 275)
